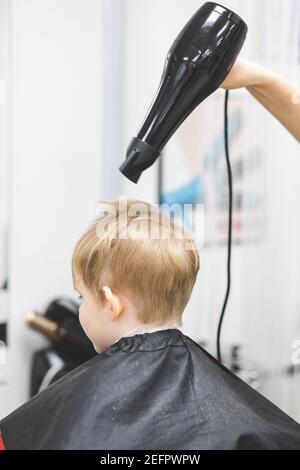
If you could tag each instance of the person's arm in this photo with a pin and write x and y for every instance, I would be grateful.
(273, 91)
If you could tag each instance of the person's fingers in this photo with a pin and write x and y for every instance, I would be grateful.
(244, 73)
(236, 77)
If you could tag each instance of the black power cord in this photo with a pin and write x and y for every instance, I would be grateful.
(229, 239)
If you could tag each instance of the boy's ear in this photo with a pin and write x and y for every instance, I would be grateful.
(114, 302)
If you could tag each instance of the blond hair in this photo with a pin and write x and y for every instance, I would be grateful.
(135, 248)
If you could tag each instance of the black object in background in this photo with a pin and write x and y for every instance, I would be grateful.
(3, 332)
(69, 345)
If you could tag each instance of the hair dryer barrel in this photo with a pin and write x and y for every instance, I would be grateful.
(197, 63)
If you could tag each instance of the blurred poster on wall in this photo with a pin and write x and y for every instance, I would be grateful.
(194, 169)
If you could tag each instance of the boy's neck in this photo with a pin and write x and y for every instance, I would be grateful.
(148, 328)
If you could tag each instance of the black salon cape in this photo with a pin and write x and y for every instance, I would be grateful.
(157, 390)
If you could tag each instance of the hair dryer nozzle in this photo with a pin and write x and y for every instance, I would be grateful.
(140, 155)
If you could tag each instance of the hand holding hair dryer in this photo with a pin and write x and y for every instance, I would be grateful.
(197, 63)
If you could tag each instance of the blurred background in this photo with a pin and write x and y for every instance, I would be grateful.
(76, 80)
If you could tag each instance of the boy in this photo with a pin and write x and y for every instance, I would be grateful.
(150, 386)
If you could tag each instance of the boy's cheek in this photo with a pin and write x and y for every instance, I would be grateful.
(80, 315)
(82, 319)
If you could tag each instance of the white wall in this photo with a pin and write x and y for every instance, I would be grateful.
(56, 51)
(4, 163)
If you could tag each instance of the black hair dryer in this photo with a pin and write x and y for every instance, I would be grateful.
(197, 63)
